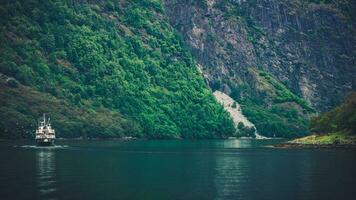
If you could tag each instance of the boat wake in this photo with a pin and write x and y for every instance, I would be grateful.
(42, 147)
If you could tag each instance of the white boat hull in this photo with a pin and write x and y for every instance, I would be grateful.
(45, 142)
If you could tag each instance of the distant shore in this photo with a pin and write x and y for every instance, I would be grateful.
(332, 140)
(314, 146)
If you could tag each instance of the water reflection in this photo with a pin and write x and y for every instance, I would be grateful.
(231, 177)
(46, 172)
(236, 143)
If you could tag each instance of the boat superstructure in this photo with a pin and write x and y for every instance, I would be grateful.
(45, 134)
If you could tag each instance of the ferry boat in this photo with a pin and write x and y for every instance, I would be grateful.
(45, 134)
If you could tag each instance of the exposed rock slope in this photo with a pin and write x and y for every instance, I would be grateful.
(233, 108)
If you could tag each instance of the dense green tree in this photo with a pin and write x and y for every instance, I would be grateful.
(118, 57)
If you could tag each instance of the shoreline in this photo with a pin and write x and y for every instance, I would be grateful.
(328, 141)
(142, 138)
(314, 146)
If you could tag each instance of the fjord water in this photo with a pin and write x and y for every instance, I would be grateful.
(174, 169)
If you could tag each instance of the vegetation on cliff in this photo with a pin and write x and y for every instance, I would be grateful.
(273, 108)
(114, 67)
(340, 119)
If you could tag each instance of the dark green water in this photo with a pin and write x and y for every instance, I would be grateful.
(213, 169)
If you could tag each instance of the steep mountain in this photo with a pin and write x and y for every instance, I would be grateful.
(283, 61)
(101, 69)
(148, 68)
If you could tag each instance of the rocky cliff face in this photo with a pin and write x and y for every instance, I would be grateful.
(268, 53)
(307, 46)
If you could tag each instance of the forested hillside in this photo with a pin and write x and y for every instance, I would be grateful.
(101, 69)
(340, 119)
